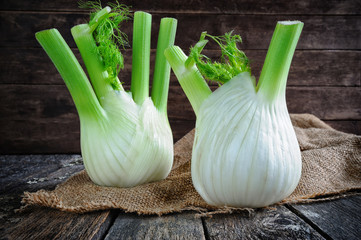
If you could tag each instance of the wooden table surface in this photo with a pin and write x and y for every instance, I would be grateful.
(336, 219)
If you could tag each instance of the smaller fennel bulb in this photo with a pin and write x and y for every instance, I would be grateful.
(129, 145)
(245, 151)
(126, 138)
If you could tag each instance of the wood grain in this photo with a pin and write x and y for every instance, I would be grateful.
(38, 115)
(327, 103)
(256, 30)
(54, 224)
(306, 7)
(54, 102)
(324, 79)
(20, 173)
(309, 67)
(334, 220)
(32, 172)
(263, 224)
(349, 126)
(334, 217)
(172, 226)
(44, 119)
(66, 141)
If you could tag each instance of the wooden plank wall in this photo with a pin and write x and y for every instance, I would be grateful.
(37, 112)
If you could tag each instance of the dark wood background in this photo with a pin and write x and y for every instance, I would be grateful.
(37, 112)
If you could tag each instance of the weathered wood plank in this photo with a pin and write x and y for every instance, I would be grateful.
(23, 102)
(180, 128)
(44, 119)
(315, 68)
(173, 226)
(20, 173)
(53, 224)
(232, 6)
(339, 219)
(309, 67)
(320, 32)
(55, 136)
(263, 224)
(40, 119)
(30, 172)
(66, 141)
(33, 137)
(346, 126)
(29, 66)
(327, 103)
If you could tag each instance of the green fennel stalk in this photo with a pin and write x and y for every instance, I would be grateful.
(273, 79)
(141, 56)
(71, 72)
(161, 75)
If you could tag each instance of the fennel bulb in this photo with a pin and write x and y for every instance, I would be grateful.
(126, 138)
(129, 145)
(245, 151)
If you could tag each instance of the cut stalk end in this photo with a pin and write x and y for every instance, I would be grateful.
(160, 86)
(273, 79)
(141, 56)
(99, 16)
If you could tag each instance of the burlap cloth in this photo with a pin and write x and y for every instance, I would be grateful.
(331, 166)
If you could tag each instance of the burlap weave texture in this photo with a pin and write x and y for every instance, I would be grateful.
(331, 165)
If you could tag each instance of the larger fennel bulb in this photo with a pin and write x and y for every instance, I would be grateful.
(126, 139)
(245, 151)
(252, 157)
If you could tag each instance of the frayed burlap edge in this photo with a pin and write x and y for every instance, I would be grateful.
(49, 199)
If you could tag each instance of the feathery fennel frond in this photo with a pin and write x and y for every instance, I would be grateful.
(109, 37)
(233, 61)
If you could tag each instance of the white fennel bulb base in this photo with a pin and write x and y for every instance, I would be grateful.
(252, 157)
(245, 151)
(129, 145)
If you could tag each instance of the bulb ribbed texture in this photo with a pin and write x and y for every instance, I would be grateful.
(129, 146)
(245, 152)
